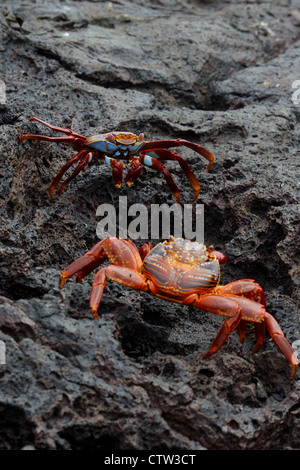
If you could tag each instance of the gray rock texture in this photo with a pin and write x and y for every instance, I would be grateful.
(216, 73)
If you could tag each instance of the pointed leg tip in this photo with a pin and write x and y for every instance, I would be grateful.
(256, 348)
(294, 365)
(60, 191)
(195, 196)
(61, 281)
(294, 370)
(24, 137)
(206, 355)
(177, 197)
(209, 167)
(95, 313)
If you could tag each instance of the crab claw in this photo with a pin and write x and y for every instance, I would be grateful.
(217, 254)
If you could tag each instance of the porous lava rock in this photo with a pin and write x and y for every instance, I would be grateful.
(218, 73)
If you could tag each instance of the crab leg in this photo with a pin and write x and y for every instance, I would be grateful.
(160, 167)
(120, 274)
(246, 288)
(251, 290)
(85, 264)
(225, 330)
(233, 306)
(120, 252)
(222, 306)
(58, 129)
(278, 337)
(98, 287)
(178, 143)
(81, 165)
(60, 174)
(242, 330)
(255, 312)
(165, 154)
(69, 139)
(125, 269)
(260, 336)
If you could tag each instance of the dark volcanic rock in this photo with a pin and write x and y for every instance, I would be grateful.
(217, 73)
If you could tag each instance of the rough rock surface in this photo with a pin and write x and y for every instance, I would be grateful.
(217, 73)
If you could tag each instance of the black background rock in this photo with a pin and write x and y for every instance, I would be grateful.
(217, 73)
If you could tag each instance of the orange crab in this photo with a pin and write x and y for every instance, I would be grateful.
(185, 272)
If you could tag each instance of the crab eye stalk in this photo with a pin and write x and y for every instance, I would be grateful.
(110, 137)
(141, 136)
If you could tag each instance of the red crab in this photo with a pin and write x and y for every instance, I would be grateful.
(114, 146)
(186, 272)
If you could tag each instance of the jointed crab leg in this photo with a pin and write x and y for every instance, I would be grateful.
(81, 165)
(250, 311)
(125, 276)
(68, 139)
(57, 129)
(135, 170)
(235, 307)
(163, 144)
(125, 268)
(222, 306)
(246, 288)
(251, 290)
(165, 154)
(71, 136)
(60, 174)
(85, 264)
(160, 167)
(278, 337)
